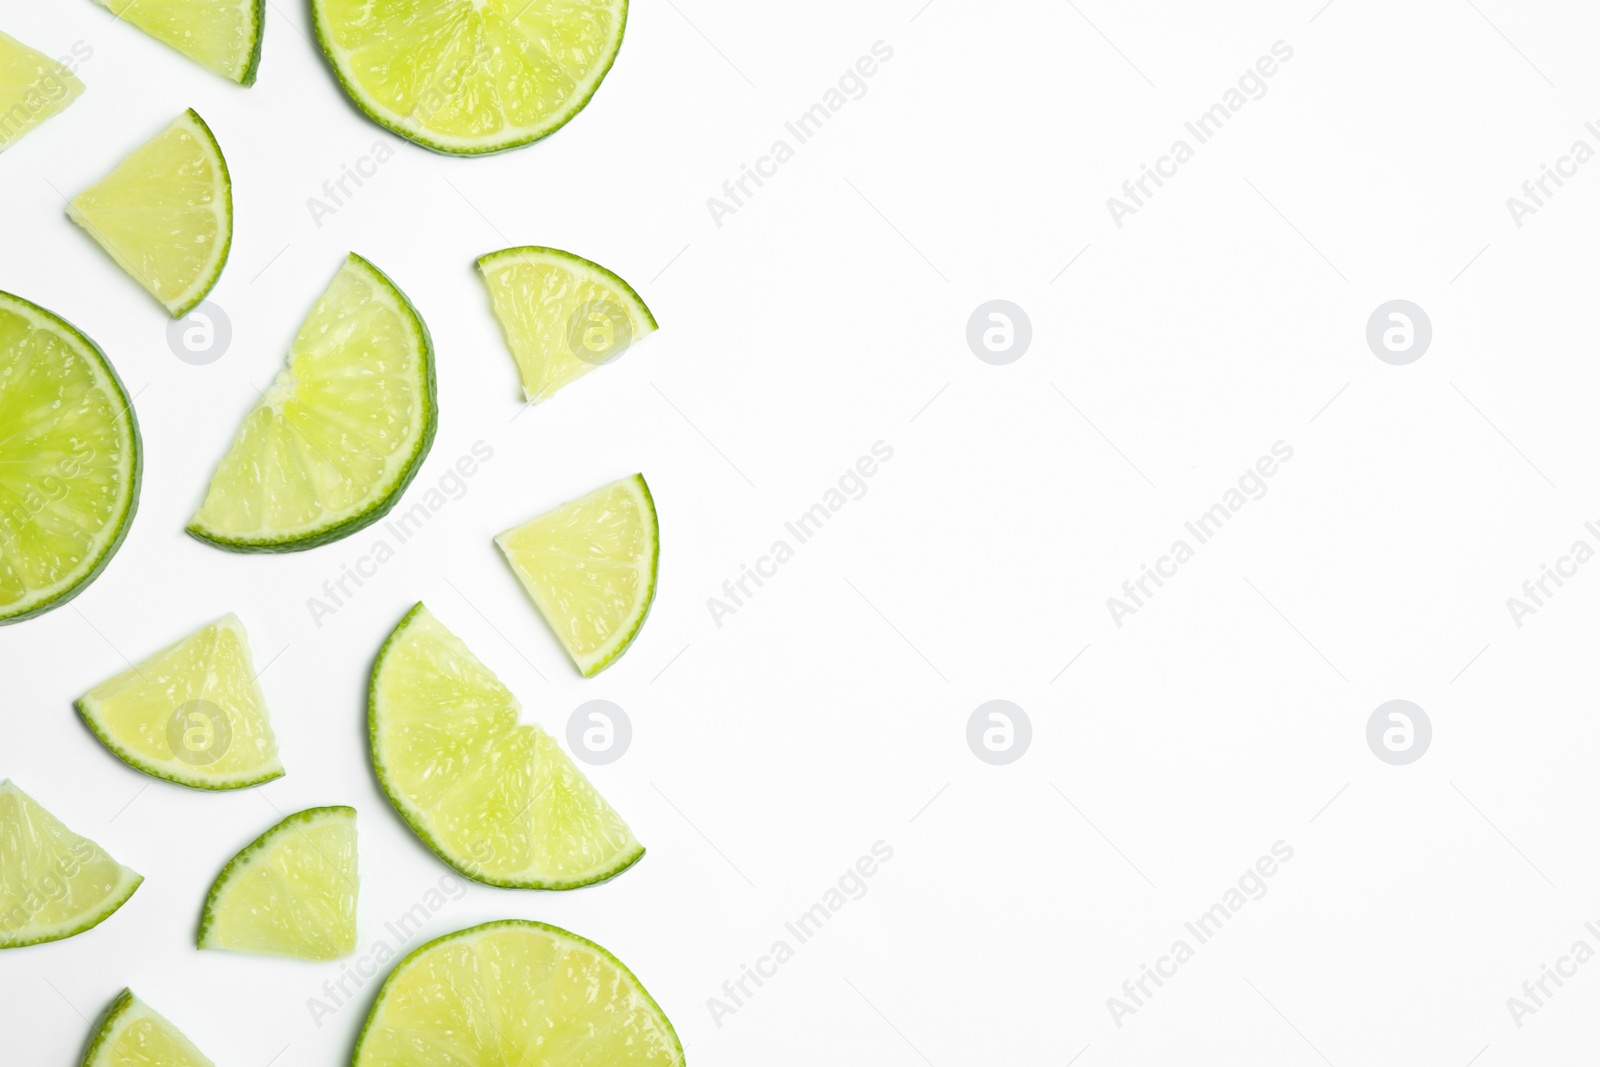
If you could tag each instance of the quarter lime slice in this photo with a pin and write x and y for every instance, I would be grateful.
(470, 76)
(165, 214)
(192, 713)
(53, 883)
(69, 460)
(33, 87)
(291, 892)
(132, 1034)
(498, 801)
(340, 434)
(224, 36)
(515, 994)
(590, 567)
(563, 316)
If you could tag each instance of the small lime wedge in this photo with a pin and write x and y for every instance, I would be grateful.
(53, 883)
(33, 87)
(514, 994)
(165, 214)
(224, 36)
(132, 1034)
(192, 713)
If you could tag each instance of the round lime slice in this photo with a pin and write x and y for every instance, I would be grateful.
(69, 460)
(132, 1034)
(515, 993)
(340, 434)
(470, 76)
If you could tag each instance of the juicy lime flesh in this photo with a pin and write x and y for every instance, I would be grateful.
(224, 36)
(192, 713)
(290, 893)
(53, 883)
(69, 465)
(471, 75)
(515, 994)
(562, 316)
(590, 567)
(499, 801)
(337, 436)
(134, 1035)
(33, 87)
(165, 214)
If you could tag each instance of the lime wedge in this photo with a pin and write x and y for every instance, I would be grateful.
(563, 316)
(33, 87)
(499, 802)
(224, 36)
(132, 1034)
(515, 994)
(53, 883)
(165, 214)
(590, 567)
(340, 434)
(290, 892)
(191, 714)
(69, 460)
(470, 76)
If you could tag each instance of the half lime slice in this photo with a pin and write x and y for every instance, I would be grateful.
(191, 714)
(53, 883)
(165, 214)
(562, 315)
(515, 993)
(290, 892)
(590, 567)
(340, 434)
(132, 1034)
(69, 460)
(498, 801)
(33, 87)
(223, 36)
(470, 76)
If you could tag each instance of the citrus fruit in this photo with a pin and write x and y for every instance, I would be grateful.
(224, 36)
(33, 87)
(498, 801)
(339, 435)
(131, 1034)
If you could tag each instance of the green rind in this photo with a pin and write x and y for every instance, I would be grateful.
(401, 805)
(126, 518)
(139, 764)
(309, 815)
(349, 526)
(650, 597)
(109, 910)
(227, 191)
(383, 991)
(105, 1026)
(489, 258)
(258, 21)
(356, 98)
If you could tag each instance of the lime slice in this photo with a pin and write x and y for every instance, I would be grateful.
(470, 76)
(499, 802)
(340, 434)
(53, 883)
(69, 460)
(165, 214)
(224, 36)
(290, 892)
(515, 994)
(132, 1034)
(590, 567)
(33, 87)
(563, 316)
(191, 714)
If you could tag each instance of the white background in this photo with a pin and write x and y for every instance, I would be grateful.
(829, 713)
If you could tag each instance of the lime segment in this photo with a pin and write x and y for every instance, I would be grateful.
(224, 36)
(132, 1034)
(291, 892)
(498, 801)
(515, 994)
(69, 460)
(33, 87)
(165, 214)
(53, 883)
(340, 434)
(191, 714)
